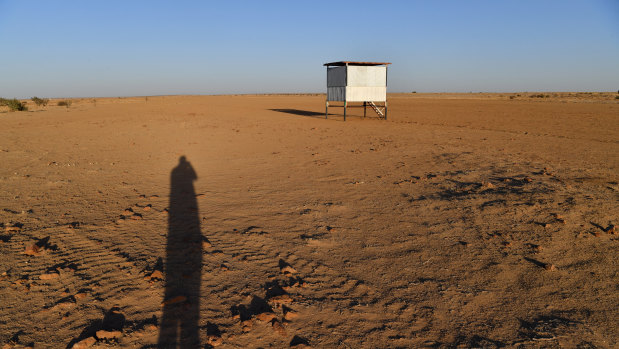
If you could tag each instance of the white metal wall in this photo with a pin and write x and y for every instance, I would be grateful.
(367, 76)
(366, 94)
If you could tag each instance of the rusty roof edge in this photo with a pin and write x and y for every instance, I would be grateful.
(341, 63)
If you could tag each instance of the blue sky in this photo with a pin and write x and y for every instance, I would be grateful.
(124, 48)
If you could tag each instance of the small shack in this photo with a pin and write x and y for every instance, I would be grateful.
(358, 82)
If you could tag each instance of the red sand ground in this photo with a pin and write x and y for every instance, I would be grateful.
(470, 220)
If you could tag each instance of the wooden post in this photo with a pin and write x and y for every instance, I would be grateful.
(364, 109)
(327, 108)
(345, 110)
(385, 110)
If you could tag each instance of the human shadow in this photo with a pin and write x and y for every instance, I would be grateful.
(183, 264)
(300, 112)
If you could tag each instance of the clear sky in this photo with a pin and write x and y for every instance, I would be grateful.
(122, 48)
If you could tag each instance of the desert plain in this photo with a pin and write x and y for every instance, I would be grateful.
(251, 221)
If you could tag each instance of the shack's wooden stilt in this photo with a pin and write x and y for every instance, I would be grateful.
(345, 111)
(327, 110)
(364, 109)
(385, 110)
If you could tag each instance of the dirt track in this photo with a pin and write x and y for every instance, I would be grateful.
(463, 220)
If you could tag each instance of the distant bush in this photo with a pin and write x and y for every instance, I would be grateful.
(541, 95)
(512, 97)
(39, 101)
(414, 92)
(13, 104)
(64, 103)
(616, 97)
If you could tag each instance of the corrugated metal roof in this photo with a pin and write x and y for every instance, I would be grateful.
(340, 63)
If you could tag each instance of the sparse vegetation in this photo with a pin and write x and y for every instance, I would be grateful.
(13, 104)
(616, 97)
(512, 97)
(540, 95)
(414, 92)
(65, 103)
(40, 101)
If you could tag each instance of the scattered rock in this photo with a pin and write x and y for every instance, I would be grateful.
(80, 295)
(155, 275)
(136, 216)
(224, 267)
(206, 244)
(247, 325)
(151, 327)
(280, 300)
(288, 270)
(103, 334)
(550, 267)
(16, 228)
(127, 212)
(611, 229)
(290, 315)
(487, 185)
(85, 343)
(279, 328)
(49, 276)
(213, 340)
(147, 207)
(173, 300)
(266, 317)
(33, 250)
(527, 180)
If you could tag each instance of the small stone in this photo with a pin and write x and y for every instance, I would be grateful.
(290, 315)
(12, 229)
(247, 325)
(151, 327)
(174, 300)
(80, 295)
(49, 276)
(85, 343)
(157, 274)
(527, 179)
(33, 250)
(611, 229)
(279, 328)
(206, 244)
(487, 185)
(148, 207)
(550, 267)
(281, 300)
(213, 340)
(127, 212)
(103, 334)
(62, 306)
(136, 216)
(266, 317)
(288, 270)
(224, 267)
